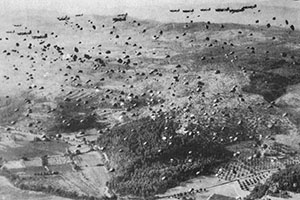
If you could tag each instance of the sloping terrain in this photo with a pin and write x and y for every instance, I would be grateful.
(94, 107)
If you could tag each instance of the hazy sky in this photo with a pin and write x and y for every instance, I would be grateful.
(93, 6)
(99, 5)
(155, 9)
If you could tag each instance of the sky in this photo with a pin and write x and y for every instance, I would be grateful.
(155, 9)
(94, 6)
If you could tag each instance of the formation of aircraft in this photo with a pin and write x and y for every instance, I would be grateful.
(187, 11)
(40, 36)
(222, 9)
(24, 33)
(205, 9)
(120, 17)
(227, 9)
(63, 18)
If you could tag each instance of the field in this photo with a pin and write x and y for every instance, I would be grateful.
(8, 191)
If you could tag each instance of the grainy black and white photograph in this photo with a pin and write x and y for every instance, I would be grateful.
(149, 100)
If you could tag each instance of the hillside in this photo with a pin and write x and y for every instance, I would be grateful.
(99, 107)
